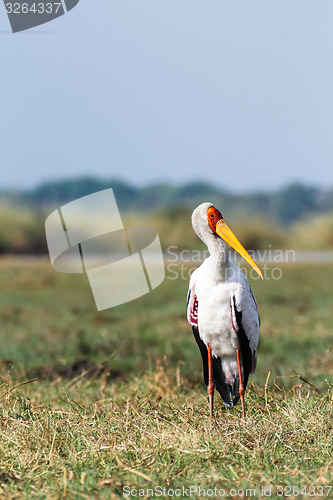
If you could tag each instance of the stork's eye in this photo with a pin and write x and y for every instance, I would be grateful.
(212, 215)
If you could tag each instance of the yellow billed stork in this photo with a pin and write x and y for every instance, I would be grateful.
(222, 310)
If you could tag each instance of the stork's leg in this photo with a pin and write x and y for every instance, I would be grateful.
(210, 380)
(241, 384)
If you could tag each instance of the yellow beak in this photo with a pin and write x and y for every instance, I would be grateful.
(223, 230)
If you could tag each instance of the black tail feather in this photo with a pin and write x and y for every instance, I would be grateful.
(229, 393)
(246, 353)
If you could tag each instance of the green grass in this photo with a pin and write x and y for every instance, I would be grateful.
(119, 399)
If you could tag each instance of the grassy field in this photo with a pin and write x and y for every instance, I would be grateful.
(102, 404)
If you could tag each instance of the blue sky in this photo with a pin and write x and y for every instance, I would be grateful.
(239, 94)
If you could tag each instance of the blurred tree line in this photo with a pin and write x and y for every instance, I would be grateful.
(259, 216)
(286, 205)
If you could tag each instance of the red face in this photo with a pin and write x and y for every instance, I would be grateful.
(213, 215)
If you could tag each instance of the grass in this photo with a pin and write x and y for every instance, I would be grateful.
(119, 400)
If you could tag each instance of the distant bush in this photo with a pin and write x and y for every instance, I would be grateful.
(21, 230)
(258, 233)
(175, 228)
(314, 233)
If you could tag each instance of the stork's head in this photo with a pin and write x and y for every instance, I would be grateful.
(208, 223)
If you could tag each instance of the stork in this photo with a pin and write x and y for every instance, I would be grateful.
(222, 310)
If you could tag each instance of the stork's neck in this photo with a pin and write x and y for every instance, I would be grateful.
(219, 256)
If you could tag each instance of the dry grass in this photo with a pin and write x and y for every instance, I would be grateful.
(89, 437)
(119, 399)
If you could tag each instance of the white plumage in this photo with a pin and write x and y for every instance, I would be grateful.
(221, 307)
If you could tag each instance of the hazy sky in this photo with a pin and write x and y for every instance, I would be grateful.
(239, 93)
